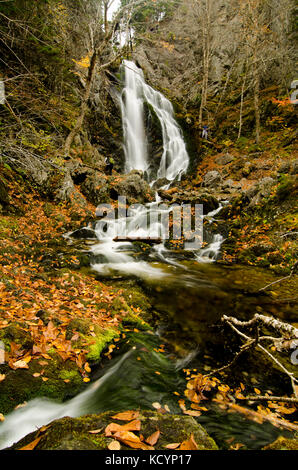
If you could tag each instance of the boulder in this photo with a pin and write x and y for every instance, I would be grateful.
(212, 179)
(265, 186)
(133, 187)
(224, 159)
(75, 433)
(95, 187)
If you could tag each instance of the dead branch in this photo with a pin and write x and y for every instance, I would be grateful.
(231, 321)
(263, 398)
(282, 279)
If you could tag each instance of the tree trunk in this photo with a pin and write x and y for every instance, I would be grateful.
(84, 105)
(257, 102)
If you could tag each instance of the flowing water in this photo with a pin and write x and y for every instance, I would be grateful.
(187, 289)
(174, 161)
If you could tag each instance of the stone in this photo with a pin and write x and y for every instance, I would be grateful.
(74, 433)
(224, 159)
(284, 167)
(212, 179)
(133, 187)
(96, 187)
(294, 167)
(265, 186)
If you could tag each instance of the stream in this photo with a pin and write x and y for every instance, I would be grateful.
(189, 292)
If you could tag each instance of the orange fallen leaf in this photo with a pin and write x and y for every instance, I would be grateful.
(173, 446)
(32, 444)
(190, 444)
(114, 427)
(131, 440)
(127, 415)
(152, 440)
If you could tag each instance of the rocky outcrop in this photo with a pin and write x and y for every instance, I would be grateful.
(76, 433)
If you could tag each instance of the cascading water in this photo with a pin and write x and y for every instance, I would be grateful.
(174, 161)
(132, 108)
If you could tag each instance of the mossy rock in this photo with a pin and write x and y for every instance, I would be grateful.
(21, 386)
(17, 334)
(282, 443)
(74, 433)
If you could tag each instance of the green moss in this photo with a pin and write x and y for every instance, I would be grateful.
(282, 443)
(99, 342)
(20, 385)
(74, 433)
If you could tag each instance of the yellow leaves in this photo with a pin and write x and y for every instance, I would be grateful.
(2, 377)
(2, 418)
(167, 45)
(21, 364)
(84, 62)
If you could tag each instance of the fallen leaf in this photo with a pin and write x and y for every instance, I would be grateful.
(32, 444)
(131, 440)
(2, 418)
(152, 440)
(21, 364)
(2, 377)
(173, 446)
(190, 444)
(96, 431)
(127, 415)
(114, 445)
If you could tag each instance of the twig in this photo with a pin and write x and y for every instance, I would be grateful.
(282, 279)
(263, 398)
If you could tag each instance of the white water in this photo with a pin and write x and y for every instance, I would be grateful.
(41, 411)
(174, 161)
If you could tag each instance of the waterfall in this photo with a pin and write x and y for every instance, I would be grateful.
(174, 161)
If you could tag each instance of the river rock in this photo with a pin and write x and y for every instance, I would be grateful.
(212, 179)
(75, 433)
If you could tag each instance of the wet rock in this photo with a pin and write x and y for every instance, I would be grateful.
(83, 233)
(133, 187)
(212, 179)
(74, 433)
(224, 159)
(283, 443)
(95, 187)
